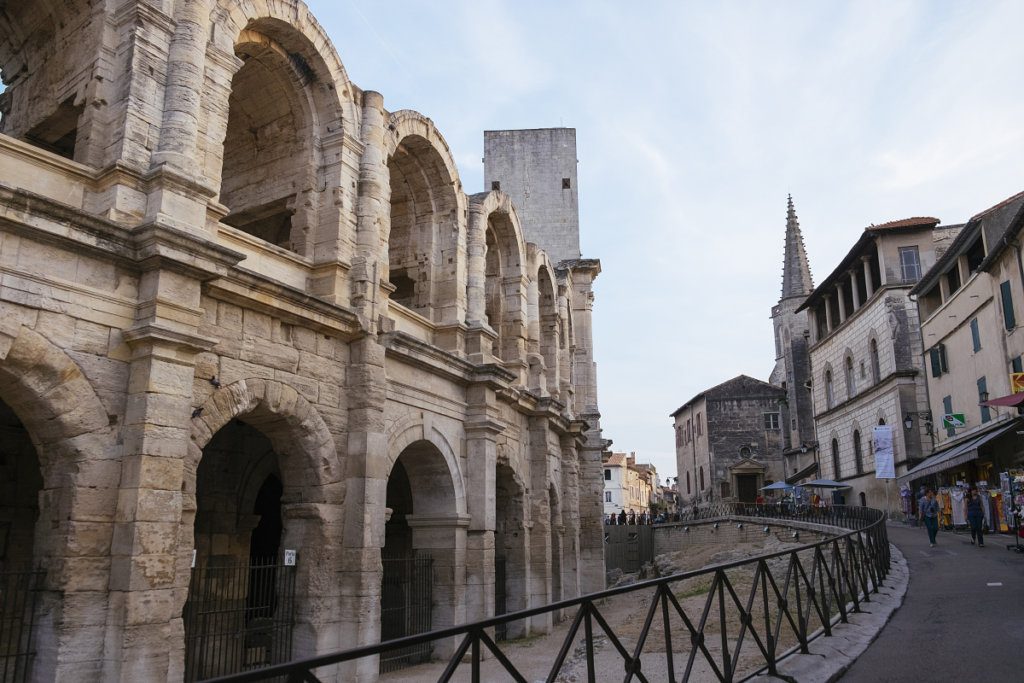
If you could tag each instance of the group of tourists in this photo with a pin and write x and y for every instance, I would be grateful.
(928, 513)
(643, 518)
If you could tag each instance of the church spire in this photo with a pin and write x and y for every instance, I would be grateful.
(796, 272)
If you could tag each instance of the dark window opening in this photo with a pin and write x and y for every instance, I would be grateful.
(975, 335)
(947, 409)
(975, 255)
(607, 475)
(405, 287)
(270, 222)
(496, 185)
(566, 184)
(937, 358)
(1017, 364)
(59, 131)
(1009, 319)
(953, 279)
(986, 413)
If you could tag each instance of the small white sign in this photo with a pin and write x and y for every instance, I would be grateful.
(193, 558)
(289, 558)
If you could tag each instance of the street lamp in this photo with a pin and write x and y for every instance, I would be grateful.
(908, 420)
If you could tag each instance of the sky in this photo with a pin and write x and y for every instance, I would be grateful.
(694, 121)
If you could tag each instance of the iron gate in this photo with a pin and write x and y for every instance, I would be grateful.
(237, 618)
(628, 547)
(406, 606)
(18, 591)
(500, 598)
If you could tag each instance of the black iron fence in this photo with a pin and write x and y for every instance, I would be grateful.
(238, 618)
(500, 596)
(738, 628)
(18, 593)
(406, 607)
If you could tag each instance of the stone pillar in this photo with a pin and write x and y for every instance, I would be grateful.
(539, 585)
(829, 322)
(444, 539)
(854, 289)
(841, 300)
(476, 245)
(183, 95)
(481, 457)
(366, 477)
(152, 547)
(570, 516)
(373, 213)
(868, 278)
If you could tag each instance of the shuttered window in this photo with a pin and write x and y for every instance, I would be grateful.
(1008, 317)
(1017, 365)
(975, 335)
(947, 409)
(986, 414)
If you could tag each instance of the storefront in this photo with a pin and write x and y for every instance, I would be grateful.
(989, 460)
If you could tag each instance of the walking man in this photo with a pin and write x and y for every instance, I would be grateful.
(928, 512)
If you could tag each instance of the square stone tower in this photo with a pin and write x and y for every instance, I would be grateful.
(537, 169)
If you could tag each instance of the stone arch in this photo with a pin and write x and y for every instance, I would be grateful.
(858, 442)
(543, 326)
(413, 431)
(425, 229)
(836, 456)
(289, 105)
(849, 373)
(71, 435)
(311, 496)
(828, 383)
(874, 357)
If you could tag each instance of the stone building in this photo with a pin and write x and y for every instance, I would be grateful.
(246, 309)
(729, 441)
(628, 486)
(865, 354)
(792, 361)
(969, 303)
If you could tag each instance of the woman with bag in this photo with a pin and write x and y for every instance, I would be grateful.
(975, 516)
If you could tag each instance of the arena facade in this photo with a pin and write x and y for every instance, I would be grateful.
(258, 345)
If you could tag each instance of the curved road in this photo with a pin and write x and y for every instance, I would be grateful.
(962, 617)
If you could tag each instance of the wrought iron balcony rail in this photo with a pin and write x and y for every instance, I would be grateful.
(795, 594)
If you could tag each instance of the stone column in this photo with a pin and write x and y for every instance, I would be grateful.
(570, 515)
(868, 278)
(829, 322)
(539, 586)
(841, 300)
(854, 289)
(476, 245)
(444, 539)
(373, 213)
(152, 546)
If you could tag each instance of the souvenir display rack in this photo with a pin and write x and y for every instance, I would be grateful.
(1012, 483)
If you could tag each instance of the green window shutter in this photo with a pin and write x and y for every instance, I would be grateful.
(986, 414)
(947, 409)
(975, 335)
(943, 365)
(1017, 364)
(1007, 296)
(933, 356)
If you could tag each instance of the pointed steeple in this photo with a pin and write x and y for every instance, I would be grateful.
(796, 272)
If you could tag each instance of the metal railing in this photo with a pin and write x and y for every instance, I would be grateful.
(18, 591)
(794, 595)
(406, 604)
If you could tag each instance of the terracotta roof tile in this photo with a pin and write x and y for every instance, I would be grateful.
(915, 222)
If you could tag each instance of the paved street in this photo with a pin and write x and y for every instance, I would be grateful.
(962, 618)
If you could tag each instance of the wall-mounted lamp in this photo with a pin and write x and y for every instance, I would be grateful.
(908, 420)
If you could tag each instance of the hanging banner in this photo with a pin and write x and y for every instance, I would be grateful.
(885, 463)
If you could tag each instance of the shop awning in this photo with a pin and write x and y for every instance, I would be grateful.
(805, 472)
(1011, 400)
(957, 454)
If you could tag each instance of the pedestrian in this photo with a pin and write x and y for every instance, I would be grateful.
(975, 516)
(622, 516)
(928, 512)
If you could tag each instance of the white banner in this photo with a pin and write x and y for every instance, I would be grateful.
(885, 463)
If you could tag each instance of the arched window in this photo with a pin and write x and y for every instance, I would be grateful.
(687, 483)
(876, 372)
(881, 422)
(702, 478)
(829, 395)
(745, 452)
(835, 458)
(857, 459)
(851, 380)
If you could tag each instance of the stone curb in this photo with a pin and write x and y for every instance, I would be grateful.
(830, 657)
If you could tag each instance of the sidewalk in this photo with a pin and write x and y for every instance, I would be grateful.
(962, 617)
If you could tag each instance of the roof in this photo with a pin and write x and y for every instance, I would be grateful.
(796, 270)
(737, 386)
(867, 237)
(616, 459)
(1003, 219)
(915, 222)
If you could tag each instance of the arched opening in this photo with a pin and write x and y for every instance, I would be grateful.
(239, 614)
(863, 499)
(829, 391)
(701, 477)
(21, 482)
(510, 551)
(851, 380)
(835, 459)
(423, 552)
(549, 329)
(503, 287)
(268, 144)
(857, 457)
(876, 373)
(424, 229)
(687, 482)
